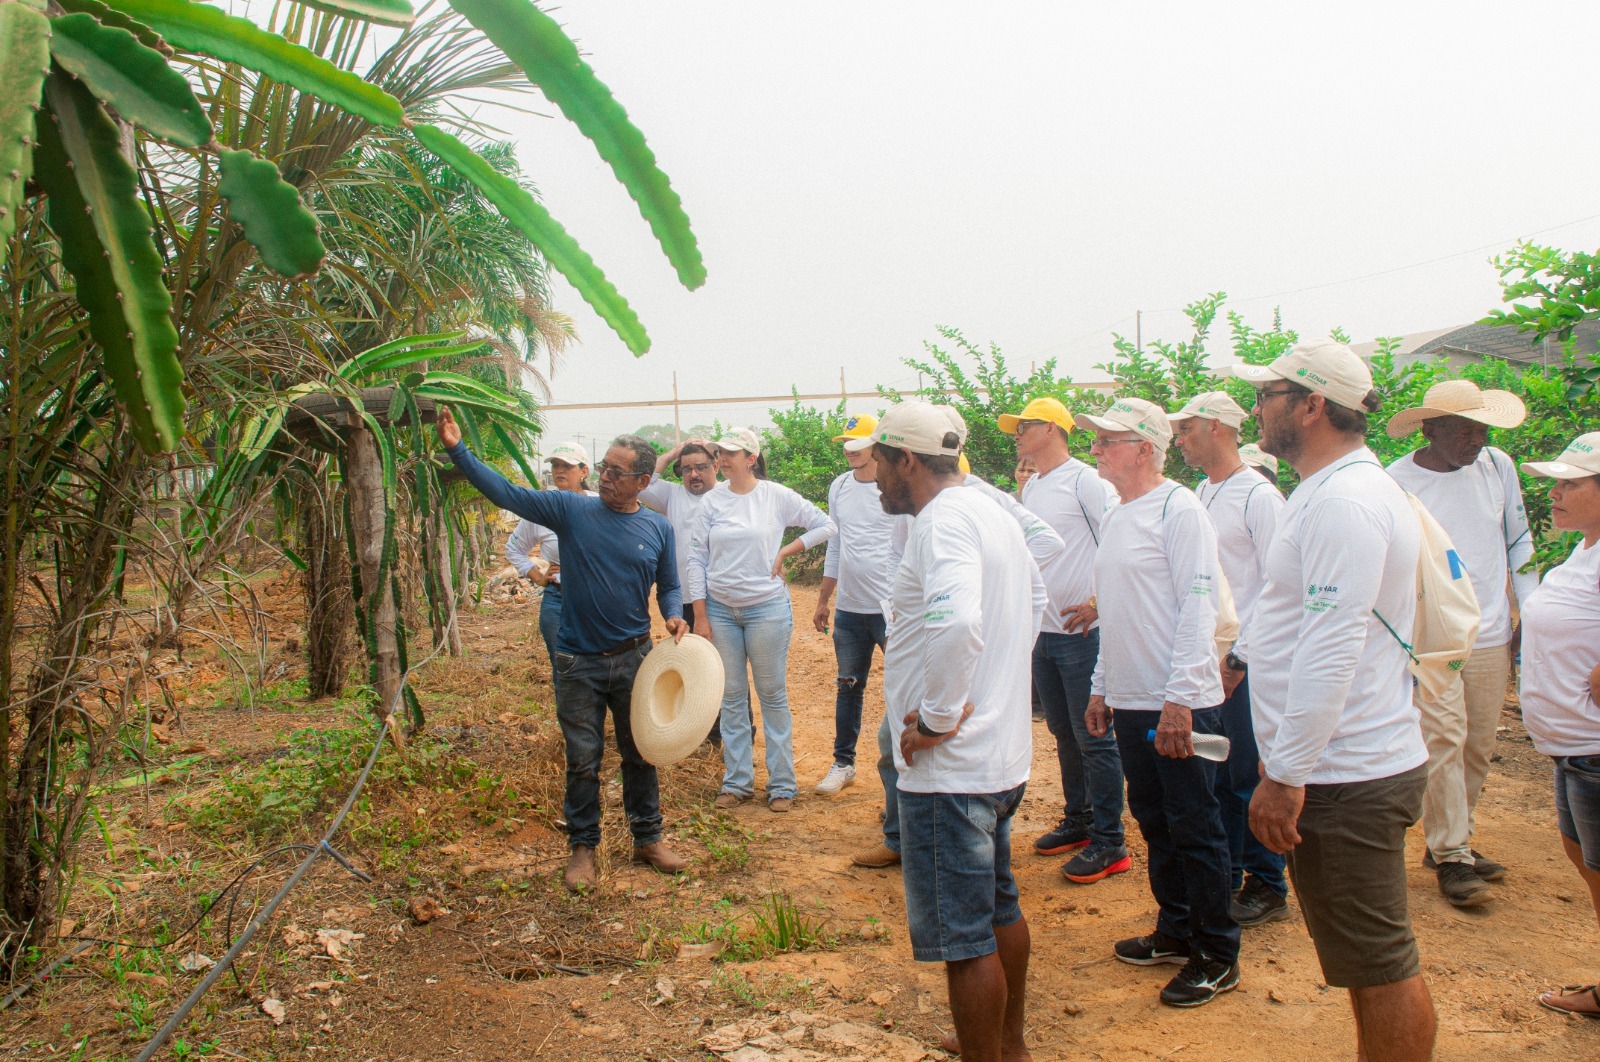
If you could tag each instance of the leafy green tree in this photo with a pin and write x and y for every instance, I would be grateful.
(1551, 292)
(981, 385)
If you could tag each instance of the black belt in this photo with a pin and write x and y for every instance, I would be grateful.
(631, 643)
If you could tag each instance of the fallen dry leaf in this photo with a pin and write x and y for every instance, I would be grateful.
(334, 942)
(273, 1008)
(699, 951)
(425, 909)
(194, 962)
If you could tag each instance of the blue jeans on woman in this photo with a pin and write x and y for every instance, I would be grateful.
(756, 637)
(854, 635)
(550, 619)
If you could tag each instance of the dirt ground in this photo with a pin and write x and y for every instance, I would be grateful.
(466, 946)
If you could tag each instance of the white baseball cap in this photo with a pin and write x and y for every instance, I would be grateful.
(921, 427)
(740, 439)
(1255, 456)
(1213, 405)
(1146, 419)
(570, 452)
(1328, 367)
(1581, 458)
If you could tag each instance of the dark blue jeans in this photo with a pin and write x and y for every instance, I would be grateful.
(1175, 804)
(585, 687)
(1236, 783)
(1091, 772)
(550, 622)
(854, 635)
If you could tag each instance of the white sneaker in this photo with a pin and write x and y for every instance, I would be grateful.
(839, 776)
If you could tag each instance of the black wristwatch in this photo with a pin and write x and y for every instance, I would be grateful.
(922, 728)
(1234, 663)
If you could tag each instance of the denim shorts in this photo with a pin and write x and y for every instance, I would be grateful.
(955, 851)
(1578, 804)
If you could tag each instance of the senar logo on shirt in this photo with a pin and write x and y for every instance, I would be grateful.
(939, 610)
(1202, 585)
(1322, 598)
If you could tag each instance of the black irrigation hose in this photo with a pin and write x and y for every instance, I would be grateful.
(265, 913)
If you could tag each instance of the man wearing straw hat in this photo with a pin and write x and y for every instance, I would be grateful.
(1342, 756)
(1472, 489)
(1243, 507)
(965, 608)
(614, 550)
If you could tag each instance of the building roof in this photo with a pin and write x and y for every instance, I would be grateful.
(1505, 343)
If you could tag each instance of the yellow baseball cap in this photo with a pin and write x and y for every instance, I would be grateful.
(1049, 410)
(858, 427)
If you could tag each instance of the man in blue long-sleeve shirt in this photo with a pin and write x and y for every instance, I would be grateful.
(612, 551)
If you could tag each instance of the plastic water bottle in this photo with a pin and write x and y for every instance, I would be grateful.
(1206, 746)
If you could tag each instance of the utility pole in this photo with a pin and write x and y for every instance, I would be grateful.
(677, 425)
(1138, 330)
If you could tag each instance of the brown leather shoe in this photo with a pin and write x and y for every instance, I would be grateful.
(877, 857)
(658, 855)
(728, 801)
(780, 804)
(581, 875)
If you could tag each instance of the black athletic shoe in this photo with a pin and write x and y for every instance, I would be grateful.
(1486, 868)
(1152, 950)
(1255, 904)
(1066, 836)
(1200, 981)
(1462, 887)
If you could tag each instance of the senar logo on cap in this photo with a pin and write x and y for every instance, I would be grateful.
(1579, 460)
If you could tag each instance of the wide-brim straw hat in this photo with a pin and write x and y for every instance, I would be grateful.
(1460, 398)
(677, 693)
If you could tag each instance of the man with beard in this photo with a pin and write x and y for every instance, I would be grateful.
(1473, 491)
(966, 604)
(1343, 762)
(694, 462)
(614, 550)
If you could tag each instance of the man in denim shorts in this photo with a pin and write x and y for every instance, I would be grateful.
(966, 603)
(1343, 761)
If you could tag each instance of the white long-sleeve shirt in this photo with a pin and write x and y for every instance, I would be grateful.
(679, 506)
(1244, 509)
(736, 538)
(1560, 647)
(1074, 500)
(1156, 579)
(861, 557)
(1330, 695)
(1044, 545)
(528, 536)
(965, 613)
(1480, 507)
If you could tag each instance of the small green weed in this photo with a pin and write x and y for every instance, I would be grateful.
(726, 842)
(781, 926)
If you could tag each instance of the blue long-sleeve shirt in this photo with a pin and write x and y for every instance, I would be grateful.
(609, 560)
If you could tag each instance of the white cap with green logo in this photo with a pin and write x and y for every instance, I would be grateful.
(1213, 405)
(921, 427)
(1581, 458)
(1326, 366)
(1146, 419)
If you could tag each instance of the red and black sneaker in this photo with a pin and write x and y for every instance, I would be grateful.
(1067, 835)
(1096, 862)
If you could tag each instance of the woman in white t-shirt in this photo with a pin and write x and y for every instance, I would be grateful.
(740, 600)
(1561, 676)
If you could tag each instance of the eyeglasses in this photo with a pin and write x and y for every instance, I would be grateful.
(1264, 394)
(1113, 442)
(697, 469)
(1024, 425)
(616, 472)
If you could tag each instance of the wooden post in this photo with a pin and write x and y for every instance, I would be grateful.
(369, 520)
(677, 422)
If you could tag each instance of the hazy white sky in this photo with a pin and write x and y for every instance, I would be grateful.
(1033, 173)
